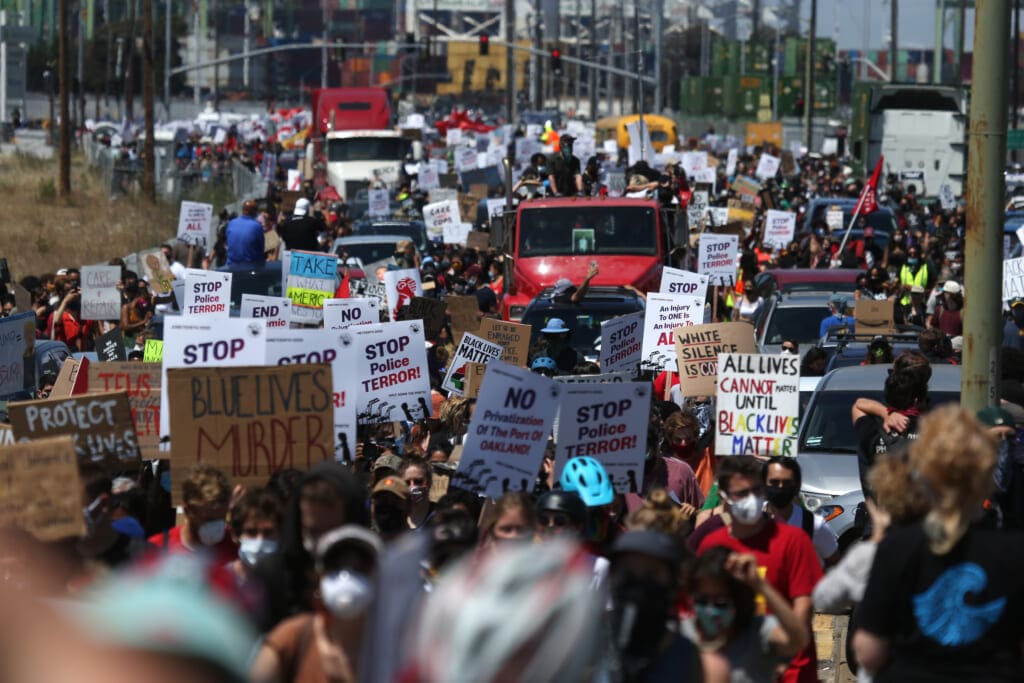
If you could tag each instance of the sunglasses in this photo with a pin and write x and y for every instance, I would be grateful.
(554, 519)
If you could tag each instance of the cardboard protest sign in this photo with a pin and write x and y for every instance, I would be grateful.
(310, 277)
(430, 311)
(6, 435)
(464, 313)
(514, 339)
(207, 294)
(758, 404)
(110, 346)
(471, 349)
(156, 271)
(276, 311)
(664, 313)
(473, 378)
(1013, 279)
(716, 258)
(696, 207)
(40, 490)
(101, 299)
(392, 371)
(458, 233)
(17, 344)
(676, 281)
(468, 204)
(697, 350)
(745, 186)
(250, 422)
(209, 343)
(479, 240)
(100, 424)
(874, 317)
(507, 436)
(730, 161)
(622, 342)
(315, 347)
(946, 197)
(439, 214)
(788, 166)
(779, 228)
(153, 351)
(607, 422)
(72, 379)
(341, 313)
(194, 222)
(767, 166)
(401, 287)
(616, 377)
(141, 383)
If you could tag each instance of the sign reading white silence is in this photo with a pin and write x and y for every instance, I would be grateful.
(509, 431)
(758, 404)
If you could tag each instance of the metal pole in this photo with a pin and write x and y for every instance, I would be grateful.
(579, 55)
(639, 80)
(659, 46)
(510, 62)
(864, 41)
(775, 72)
(940, 40)
(195, 87)
(167, 58)
(894, 30)
(812, 32)
(591, 71)
(609, 82)
(110, 53)
(149, 150)
(247, 43)
(986, 143)
(961, 15)
(64, 64)
(80, 66)
(538, 38)
(1016, 66)
(323, 50)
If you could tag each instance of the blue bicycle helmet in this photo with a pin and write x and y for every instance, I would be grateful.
(544, 363)
(588, 478)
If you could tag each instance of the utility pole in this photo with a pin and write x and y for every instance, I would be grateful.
(639, 76)
(80, 65)
(1016, 65)
(960, 32)
(659, 46)
(510, 62)
(64, 71)
(894, 30)
(592, 73)
(129, 65)
(578, 33)
(148, 149)
(110, 53)
(199, 59)
(940, 41)
(167, 58)
(812, 33)
(538, 40)
(323, 51)
(986, 138)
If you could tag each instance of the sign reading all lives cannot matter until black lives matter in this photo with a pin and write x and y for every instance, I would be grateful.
(758, 404)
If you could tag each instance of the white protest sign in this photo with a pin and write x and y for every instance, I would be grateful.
(509, 431)
(204, 343)
(607, 422)
(178, 289)
(716, 258)
(439, 214)
(779, 228)
(391, 363)
(1020, 234)
(17, 335)
(694, 163)
(696, 207)
(610, 147)
(718, 215)
(400, 286)
(101, 299)
(458, 233)
(730, 162)
(706, 175)
(452, 137)
(294, 347)
(834, 219)
(380, 203)
(472, 349)
(758, 403)
(1013, 278)
(294, 179)
(621, 342)
(342, 313)
(676, 281)
(207, 294)
(309, 279)
(194, 222)
(616, 377)
(767, 166)
(275, 310)
(946, 197)
(495, 208)
(427, 178)
(616, 182)
(466, 159)
(663, 313)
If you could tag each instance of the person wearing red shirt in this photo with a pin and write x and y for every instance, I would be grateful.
(206, 495)
(785, 555)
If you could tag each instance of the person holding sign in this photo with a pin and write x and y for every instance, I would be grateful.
(565, 176)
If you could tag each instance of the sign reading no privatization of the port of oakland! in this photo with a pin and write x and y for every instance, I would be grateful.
(758, 404)
(342, 313)
(509, 431)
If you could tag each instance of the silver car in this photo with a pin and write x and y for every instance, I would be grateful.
(827, 443)
(792, 316)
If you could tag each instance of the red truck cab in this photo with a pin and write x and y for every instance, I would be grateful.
(351, 109)
(560, 237)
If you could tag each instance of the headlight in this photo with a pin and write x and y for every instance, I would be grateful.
(813, 501)
(829, 512)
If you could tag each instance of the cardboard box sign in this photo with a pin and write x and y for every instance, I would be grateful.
(100, 424)
(72, 378)
(141, 382)
(40, 490)
(250, 421)
(874, 317)
(697, 350)
(514, 339)
(464, 313)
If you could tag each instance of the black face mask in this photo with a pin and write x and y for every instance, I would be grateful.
(639, 615)
(389, 519)
(780, 496)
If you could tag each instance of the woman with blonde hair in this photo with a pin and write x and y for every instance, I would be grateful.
(944, 596)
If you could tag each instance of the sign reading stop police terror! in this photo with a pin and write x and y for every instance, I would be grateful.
(621, 342)
(677, 281)
(758, 404)
(392, 371)
(214, 343)
(717, 258)
(251, 422)
(290, 347)
(608, 422)
(207, 294)
(505, 443)
(141, 382)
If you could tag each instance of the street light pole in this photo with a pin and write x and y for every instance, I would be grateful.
(809, 78)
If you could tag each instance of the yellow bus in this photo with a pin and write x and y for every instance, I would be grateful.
(663, 131)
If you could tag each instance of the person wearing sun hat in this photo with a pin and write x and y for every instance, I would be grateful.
(556, 339)
(1013, 329)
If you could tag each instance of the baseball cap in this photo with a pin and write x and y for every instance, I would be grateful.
(567, 139)
(1017, 302)
(392, 485)
(838, 300)
(994, 416)
(301, 207)
(951, 287)
(562, 285)
(389, 460)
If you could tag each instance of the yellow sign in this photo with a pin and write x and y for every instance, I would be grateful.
(307, 298)
(153, 351)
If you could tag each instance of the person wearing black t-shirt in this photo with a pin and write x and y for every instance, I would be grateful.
(301, 231)
(564, 170)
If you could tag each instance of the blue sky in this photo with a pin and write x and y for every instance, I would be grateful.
(916, 23)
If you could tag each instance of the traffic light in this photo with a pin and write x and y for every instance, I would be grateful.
(556, 61)
(485, 45)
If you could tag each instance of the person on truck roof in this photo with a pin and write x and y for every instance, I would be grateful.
(564, 170)
(565, 292)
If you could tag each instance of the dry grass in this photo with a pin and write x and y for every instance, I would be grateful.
(41, 232)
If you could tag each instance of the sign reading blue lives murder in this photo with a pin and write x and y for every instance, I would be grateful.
(507, 436)
(309, 278)
(314, 347)
(208, 343)
(622, 338)
(393, 383)
(608, 422)
(758, 404)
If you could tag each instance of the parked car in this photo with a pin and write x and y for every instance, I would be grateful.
(851, 350)
(792, 280)
(368, 252)
(791, 316)
(413, 230)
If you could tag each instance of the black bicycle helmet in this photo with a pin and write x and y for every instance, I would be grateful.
(567, 502)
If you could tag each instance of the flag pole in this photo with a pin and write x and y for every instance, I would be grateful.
(871, 185)
(846, 236)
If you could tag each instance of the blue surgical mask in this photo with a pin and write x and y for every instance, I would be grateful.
(252, 550)
(714, 621)
(912, 261)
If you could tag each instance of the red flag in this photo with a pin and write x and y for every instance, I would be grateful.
(868, 202)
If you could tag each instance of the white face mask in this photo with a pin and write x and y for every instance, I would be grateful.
(309, 543)
(417, 493)
(251, 550)
(346, 594)
(212, 533)
(747, 510)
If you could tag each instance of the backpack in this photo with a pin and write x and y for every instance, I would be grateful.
(807, 523)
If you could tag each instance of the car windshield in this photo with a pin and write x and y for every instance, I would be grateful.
(369, 252)
(597, 230)
(790, 287)
(585, 324)
(801, 324)
(879, 220)
(413, 232)
(827, 426)
(366, 149)
(262, 282)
